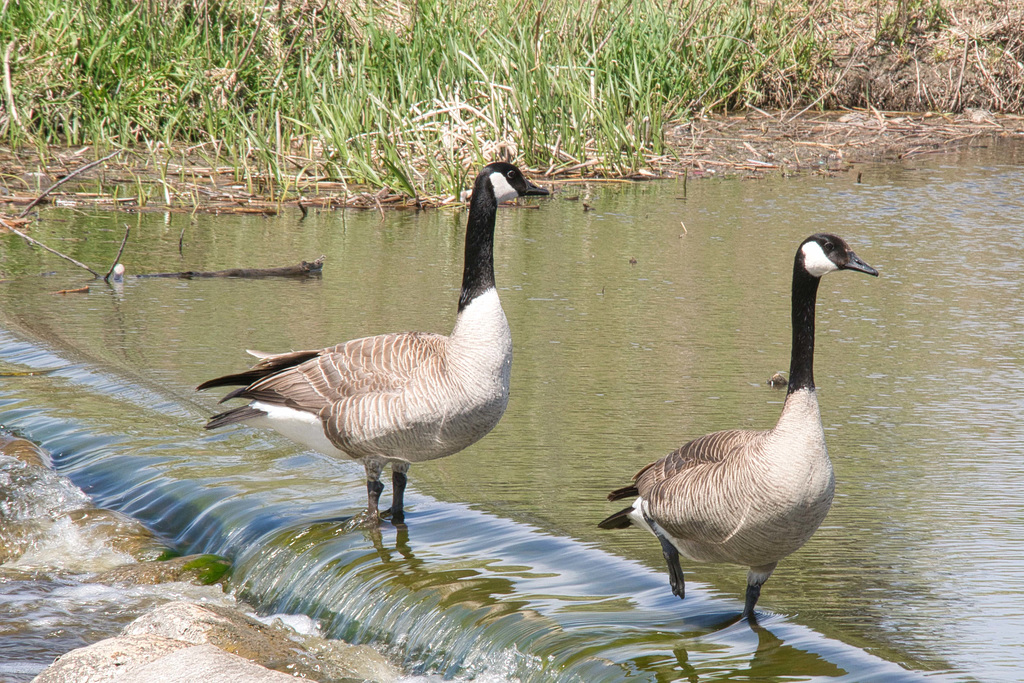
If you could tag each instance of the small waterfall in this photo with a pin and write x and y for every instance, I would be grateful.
(460, 593)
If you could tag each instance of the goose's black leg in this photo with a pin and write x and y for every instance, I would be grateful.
(675, 572)
(373, 490)
(374, 487)
(671, 555)
(755, 579)
(753, 593)
(398, 482)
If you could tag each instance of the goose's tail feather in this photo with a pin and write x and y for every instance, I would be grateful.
(620, 520)
(234, 416)
(269, 364)
(624, 492)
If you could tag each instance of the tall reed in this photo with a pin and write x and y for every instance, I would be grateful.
(406, 93)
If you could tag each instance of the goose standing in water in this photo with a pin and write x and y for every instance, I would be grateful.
(742, 496)
(397, 398)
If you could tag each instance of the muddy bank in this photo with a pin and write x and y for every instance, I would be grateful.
(758, 142)
(749, 143)
(880, 79)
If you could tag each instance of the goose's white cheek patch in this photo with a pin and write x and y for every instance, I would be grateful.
(815, 261)
(503, 192)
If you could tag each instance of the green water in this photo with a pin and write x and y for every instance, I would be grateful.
(649, 320)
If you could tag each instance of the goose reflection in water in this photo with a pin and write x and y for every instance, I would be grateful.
(772, 658)
(324, 557)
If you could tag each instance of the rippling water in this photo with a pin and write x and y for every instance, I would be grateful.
(502, 572)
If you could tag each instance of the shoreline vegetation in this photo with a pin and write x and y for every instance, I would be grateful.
(234, 105)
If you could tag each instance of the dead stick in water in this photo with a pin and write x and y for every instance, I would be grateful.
(124, 240)
(63, 180)
(43, 246)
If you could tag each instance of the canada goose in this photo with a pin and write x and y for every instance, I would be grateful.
(742, 496)
(398, 398)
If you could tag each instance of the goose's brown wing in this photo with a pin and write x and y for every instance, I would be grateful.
(696, 492)
(709, 448)
(310, 381)
(704, 450)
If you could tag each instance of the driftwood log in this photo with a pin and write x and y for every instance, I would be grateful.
(304, 269)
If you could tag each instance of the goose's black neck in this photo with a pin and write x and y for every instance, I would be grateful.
(478, 268)
(801, 362)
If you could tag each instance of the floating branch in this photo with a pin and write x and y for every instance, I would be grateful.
(304, 269)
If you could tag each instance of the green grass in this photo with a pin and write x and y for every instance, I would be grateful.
(412, 95)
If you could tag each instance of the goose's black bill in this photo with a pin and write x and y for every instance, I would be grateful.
(857, 264)
(532, 189)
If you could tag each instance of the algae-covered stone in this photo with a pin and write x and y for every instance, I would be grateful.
(203, 570)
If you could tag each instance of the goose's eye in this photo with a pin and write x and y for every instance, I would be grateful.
(828, 247)
(511, 174)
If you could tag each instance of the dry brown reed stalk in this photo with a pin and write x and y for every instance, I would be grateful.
(65, 179)
(945, 56)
